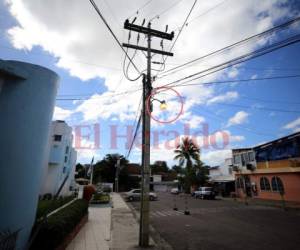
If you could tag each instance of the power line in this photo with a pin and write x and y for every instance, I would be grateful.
(238, 80)
(259, 108)
(112, 33)
(165, 10)
(272, 30)
(143, 6)
(69, 60)
(196, 84)
(241, 127)
(207, 11)
(137, 124)
(134, 137)
(271, 101)
(172, 46)
(100, 97)
(240, 59)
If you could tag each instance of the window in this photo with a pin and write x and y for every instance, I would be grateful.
(137, 191)
(264, 184)
(57, 137)
(245, 158)
(277, 185)
(66, 158)
(251, 156)
(237, 159)
(64, 170)
(67, 149)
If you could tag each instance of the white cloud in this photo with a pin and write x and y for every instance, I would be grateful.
(293, 125)
(216, 157)
(83, 46)
(228, 96)
(296, 130)
(214, 147)
(239, 118)
(233, 72)
(192, 120)
(61, 114)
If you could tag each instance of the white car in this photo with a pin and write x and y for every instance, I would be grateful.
(174, 191)
(135, 194)
(205, 193)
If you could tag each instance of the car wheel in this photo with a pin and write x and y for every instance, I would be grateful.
(130, 198)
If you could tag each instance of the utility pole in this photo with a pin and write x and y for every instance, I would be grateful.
(117, 175)
(147, 88)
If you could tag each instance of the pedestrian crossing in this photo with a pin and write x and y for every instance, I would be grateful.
(165, 213)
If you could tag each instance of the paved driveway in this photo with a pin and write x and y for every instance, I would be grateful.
(220, 224)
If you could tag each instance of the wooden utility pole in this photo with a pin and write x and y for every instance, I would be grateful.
(147, 88)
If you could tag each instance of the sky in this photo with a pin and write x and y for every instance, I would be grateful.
(219, 111)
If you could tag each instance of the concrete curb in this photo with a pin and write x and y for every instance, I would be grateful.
(159, 243)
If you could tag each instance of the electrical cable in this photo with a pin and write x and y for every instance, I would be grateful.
(112, 33)
(241, 127)
(172, 46)
(134, 137)
(272, 30)
(100, 97)
(165, 11)
(240, 59)
(137, 11)
(259, 108)
(238, 80)
(61, 97)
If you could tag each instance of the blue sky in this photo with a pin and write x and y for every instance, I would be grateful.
(77, 46)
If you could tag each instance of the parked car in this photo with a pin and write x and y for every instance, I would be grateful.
(174, 191)
(205, 193)
(135, 194)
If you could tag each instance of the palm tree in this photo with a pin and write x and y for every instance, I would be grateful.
(188, 154)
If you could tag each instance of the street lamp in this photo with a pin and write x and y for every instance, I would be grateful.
(163, 105)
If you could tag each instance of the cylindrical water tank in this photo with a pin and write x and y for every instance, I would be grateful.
(27, 98)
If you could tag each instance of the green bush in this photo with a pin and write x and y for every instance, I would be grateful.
(100, 198)
(47, 206)
(59, 225)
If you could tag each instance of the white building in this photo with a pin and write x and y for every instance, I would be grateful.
(223, 177)
(224, 170)
(62, 160)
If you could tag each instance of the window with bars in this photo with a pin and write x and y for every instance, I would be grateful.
(265, 184)
(277, 185)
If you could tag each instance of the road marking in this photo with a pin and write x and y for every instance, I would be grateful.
(162, 214)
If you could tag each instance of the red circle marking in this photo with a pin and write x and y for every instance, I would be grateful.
(154, 91)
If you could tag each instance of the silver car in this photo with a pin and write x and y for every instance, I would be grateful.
(135, 194)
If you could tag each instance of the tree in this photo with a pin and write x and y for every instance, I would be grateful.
(177, 169)
(80, 169)
(159, 167)
(188, 154)
(105, 170)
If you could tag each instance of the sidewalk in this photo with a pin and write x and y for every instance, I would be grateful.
(125, 229)
(96, 234)
(109, 228)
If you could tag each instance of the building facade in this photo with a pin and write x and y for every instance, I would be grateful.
(60, 168)
(275, 173)
(222, 178)
(27, 98)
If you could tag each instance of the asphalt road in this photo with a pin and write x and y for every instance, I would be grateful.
(220, 224)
